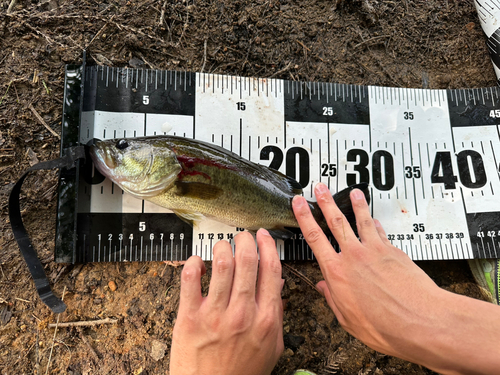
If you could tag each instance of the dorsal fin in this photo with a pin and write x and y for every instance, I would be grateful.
(292, 183)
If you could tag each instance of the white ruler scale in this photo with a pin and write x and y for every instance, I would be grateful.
(431, 158)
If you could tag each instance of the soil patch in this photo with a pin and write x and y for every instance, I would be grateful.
(412, 43)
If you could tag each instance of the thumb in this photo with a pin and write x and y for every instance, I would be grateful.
(323, 288)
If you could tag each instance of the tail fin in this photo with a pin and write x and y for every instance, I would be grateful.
(343, 201)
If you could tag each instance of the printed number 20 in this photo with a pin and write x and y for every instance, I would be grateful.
(290, 162)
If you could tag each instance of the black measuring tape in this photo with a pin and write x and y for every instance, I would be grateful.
(69, 159)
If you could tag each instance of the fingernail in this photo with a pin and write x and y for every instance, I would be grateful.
(357, 194)
(321, 188)
(377, 223)
(282, 284)
(264, 232)
(298, 201)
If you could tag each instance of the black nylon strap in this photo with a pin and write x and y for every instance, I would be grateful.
(71, 155)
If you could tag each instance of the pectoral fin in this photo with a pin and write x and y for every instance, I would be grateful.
(197, 190)
(190, 217)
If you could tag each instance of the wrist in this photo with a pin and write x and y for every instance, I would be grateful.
(454, 336)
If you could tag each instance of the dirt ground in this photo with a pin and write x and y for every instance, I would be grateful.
(411, 43)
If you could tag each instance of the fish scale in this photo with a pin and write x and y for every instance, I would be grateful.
(430, 157)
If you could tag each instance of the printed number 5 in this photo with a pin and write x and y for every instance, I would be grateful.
(145, 99)
(142, 226)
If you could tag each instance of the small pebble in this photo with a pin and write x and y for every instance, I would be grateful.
(112, 285)
(158, 349)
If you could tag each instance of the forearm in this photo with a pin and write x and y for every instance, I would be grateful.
(460, 336)
(381, 297)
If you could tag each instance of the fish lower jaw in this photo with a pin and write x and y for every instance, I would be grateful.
(141, 193)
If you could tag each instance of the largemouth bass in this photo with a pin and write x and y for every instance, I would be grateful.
(195, 180)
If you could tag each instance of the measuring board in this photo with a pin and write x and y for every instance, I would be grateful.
(431, 158)
(488, 12)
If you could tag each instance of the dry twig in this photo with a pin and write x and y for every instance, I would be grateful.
(39, 118)
(371, 40)
(204, 56)
(88, 323)
(185, 26)
(11, 6)
(303, 45)
(162, 15)
(282, 70)
(91, 349)
(22, 300)
(49, 39)
(297, 273)
(4, 95)
(100, 31)
(54, 338)
(151, 66)
(3, 274)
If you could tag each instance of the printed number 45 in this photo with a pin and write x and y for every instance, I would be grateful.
(495, 113)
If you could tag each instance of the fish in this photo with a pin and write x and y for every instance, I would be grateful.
(198, 180)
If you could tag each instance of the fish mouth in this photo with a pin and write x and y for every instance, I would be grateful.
(104, 161)
(101, 162)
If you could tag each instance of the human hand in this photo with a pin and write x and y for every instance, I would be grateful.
(237, 328)
(376, 292)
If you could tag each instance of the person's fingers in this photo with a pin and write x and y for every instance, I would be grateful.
(269, 281)
(222, 276)
(191, 297)
(364, 221)
(338, 224)
(245, 268)
(323, 288)
(313, 234)
(280, 346)
(381, 232)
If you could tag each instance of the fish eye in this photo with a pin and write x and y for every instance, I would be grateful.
(121, 144)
